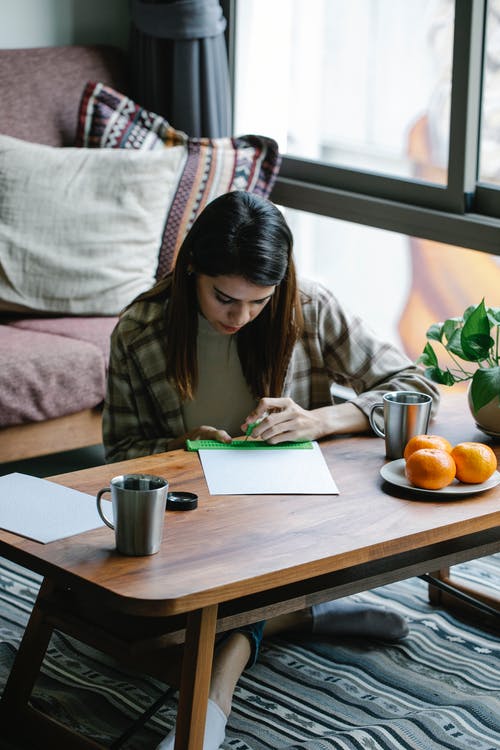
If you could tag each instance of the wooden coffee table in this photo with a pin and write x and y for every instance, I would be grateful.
(234, 560)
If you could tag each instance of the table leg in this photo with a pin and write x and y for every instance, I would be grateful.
(476, 594)
(28, 661)
(435, 595)
(195, 678)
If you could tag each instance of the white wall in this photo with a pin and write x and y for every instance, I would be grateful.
(49, 23)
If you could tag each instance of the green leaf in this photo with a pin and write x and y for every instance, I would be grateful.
(468, 311)
(435, 332)
(485, 386)
(475, 337)
(477, 347)
(428, 357)
(476, 321)
(467, 338)
(451, 327)
(454, 345)
(494, 315)
(444, 377)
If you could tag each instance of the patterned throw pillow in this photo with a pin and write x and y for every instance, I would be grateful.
(212, 166)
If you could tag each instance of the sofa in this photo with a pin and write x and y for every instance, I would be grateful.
(52, 369)
(96, 195)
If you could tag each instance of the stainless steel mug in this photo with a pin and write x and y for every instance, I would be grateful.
(406, 413)
(138, 502)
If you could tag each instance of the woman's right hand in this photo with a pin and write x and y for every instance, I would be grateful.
(209, 433)
(204, 432)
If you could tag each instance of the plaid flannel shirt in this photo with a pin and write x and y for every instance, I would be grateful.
(143, 411)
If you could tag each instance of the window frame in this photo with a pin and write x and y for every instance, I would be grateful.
(463, 212)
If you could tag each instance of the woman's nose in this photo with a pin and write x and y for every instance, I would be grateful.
(240, 315)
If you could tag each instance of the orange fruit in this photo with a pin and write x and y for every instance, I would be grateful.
(475, 462)
(417, 442)
(430, 469)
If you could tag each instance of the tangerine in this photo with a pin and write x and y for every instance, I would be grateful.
(430, 468)
(475, 462)
(417, 442)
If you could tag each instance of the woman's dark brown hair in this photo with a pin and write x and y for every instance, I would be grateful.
(238, 234)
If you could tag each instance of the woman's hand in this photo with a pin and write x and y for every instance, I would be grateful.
(283, 420)
(204, 432)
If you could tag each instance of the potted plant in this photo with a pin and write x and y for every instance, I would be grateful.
(472, 338)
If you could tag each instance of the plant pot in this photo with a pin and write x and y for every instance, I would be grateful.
(488, 417)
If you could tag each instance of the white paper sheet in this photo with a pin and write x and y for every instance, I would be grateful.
(267, 472)
(45, 511)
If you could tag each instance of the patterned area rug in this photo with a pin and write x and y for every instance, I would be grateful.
(438, 688)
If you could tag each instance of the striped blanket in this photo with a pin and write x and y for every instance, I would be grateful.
(438, 688)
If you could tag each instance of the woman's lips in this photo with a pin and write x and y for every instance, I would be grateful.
(230, 329)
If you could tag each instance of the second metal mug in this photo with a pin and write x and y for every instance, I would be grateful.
(406, 413)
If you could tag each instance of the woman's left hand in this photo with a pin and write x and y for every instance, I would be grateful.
(283, 420)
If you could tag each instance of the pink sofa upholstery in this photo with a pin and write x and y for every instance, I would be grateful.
(52, 369)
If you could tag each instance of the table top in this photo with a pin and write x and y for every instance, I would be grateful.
(233, 546)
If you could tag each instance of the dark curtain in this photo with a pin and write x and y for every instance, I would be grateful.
(179, 65)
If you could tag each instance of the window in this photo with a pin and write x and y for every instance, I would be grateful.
(388, 116)
(490, 117)
(333, 92)
(376, 105)
(398, 284)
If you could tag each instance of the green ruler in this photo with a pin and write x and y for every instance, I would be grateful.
(195, 445)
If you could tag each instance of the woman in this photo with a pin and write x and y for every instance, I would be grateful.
(229, 338)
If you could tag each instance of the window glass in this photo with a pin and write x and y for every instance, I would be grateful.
(360, 84)
(399, 285)
(489, 160)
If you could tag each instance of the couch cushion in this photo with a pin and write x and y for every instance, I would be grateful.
(212, 167)
(45, 376)
(40, 88)
(80, 229)
(96, 331)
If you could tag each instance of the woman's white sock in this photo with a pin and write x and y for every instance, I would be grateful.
(215, 730)
(346, 617)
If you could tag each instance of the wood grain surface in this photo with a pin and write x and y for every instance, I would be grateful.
(233, 546)
(234, 559)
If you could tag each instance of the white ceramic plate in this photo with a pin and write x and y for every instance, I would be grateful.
(394, 472)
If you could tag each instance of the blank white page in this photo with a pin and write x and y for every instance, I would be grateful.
(267, 472)
(45, 511)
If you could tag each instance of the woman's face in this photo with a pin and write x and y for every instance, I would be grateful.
(230, 302)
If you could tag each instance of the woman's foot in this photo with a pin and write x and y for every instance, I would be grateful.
(215, 730)
(346, 617)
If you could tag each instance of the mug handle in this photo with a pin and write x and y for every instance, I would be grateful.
(376, 429)
(100, 510)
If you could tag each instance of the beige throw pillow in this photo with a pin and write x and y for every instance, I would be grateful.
(80, 229)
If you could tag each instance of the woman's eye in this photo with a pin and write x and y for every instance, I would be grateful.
(223, 300)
